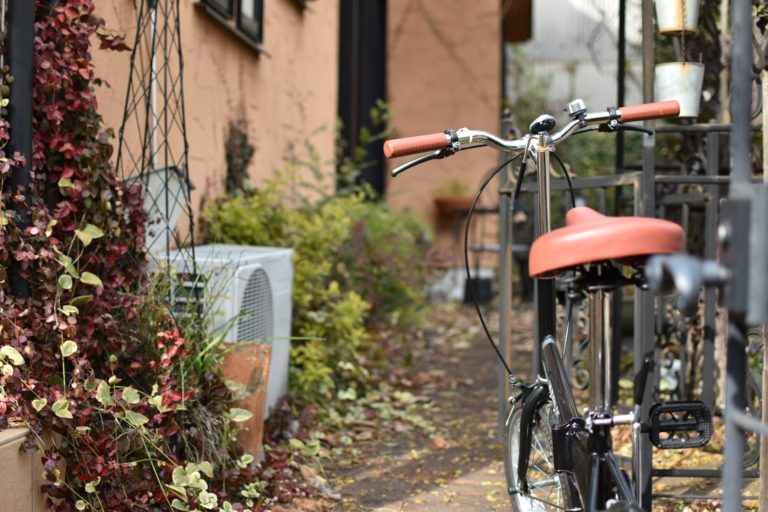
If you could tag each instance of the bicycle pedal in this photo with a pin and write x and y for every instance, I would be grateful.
(675, 425)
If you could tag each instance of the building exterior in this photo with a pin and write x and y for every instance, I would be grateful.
(286, 86)
(291, 68)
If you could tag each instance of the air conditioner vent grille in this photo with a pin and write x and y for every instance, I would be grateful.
(256, 310)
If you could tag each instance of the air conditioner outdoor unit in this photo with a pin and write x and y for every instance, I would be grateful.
(249, 292)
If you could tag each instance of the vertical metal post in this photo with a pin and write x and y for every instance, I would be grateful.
(764, 391)
(505, 281)
(616, 314)
(546, 319)
(644, 333)
(735, 399)
(596, 350)
(600, 391)
(710, 253)
(741, 169)
(21, 33)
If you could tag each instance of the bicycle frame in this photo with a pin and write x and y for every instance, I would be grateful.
(576, 443)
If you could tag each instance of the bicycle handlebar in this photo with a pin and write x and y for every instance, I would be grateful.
(394, 148)
(418, 144)
(646, 111)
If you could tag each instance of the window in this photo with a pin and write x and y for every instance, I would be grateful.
(244, 18)
(250, 18)
(224, 6)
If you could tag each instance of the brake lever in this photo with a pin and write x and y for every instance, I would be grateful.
(615, 127)
(436, 155)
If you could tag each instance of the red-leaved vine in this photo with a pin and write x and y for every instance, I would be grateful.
(90, 362)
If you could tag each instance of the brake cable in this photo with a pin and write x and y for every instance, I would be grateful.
(471, 285)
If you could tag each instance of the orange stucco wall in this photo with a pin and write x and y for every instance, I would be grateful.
(444, 71)
(291, 90)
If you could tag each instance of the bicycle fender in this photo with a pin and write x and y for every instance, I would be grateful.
(535, 399)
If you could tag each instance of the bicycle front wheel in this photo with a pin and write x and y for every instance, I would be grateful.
(547, 490)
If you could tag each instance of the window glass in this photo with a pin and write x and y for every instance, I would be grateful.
(250, 18)
(248, 8)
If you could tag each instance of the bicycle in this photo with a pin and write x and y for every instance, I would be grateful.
(555, 458)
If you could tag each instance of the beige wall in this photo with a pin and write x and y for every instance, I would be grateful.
(444, 65)
(225, 79)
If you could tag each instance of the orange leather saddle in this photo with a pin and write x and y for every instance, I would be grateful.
(589, 237)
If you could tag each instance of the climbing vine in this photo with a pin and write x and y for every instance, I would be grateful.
(125, 404)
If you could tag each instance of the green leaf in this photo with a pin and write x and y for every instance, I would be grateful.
(136, 419)
(103, 394)
(131, 396)
(69, 310)
(238, 415)
(207, 468)
(81, 505)
(178, 504)
(84, 237)
(65, 183)
(49, 228)
(61, 408)
(179, 476)
(245, 460)
(65, 281)
(68, 348)
(93, 231)
(81, 299)
(39, 403)
(12, 355)
(179, 490)
(90, 487)
(92, 279)
(6, 370)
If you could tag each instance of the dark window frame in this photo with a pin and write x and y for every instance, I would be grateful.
(229, 14)
(224, 10)
(252, 27)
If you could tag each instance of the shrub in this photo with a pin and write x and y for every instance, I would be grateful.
(356, 270)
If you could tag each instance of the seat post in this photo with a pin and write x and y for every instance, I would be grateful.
(600, 383)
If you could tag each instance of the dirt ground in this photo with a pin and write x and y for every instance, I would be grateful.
(458, 467)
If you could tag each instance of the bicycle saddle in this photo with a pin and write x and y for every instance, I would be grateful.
(590, 236)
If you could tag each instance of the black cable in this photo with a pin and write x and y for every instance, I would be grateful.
(466, 254)
(567, 178)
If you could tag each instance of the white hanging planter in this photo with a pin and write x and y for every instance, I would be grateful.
(681, 81)
(670, 19)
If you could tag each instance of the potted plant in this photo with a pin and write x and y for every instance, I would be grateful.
(453, 197)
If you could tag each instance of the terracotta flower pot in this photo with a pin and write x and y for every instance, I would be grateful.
(248, 365)
(450, 205)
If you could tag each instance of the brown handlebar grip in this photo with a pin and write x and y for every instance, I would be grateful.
(412, 145)
(645, 111)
